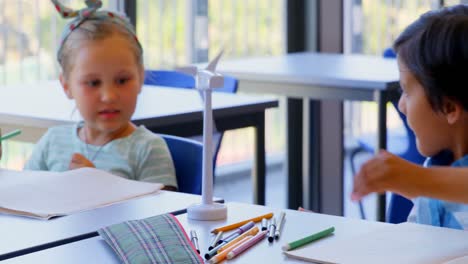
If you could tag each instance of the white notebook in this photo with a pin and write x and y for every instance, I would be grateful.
(403, 243)
(44, 194)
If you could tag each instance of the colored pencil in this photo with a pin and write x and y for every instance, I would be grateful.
(246, 245)
(11, 134)
(306, 240)
(238, 224)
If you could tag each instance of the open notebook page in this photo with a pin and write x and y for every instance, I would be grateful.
(402, 243)
(45, 194)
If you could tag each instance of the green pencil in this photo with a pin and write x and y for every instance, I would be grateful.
(306, 240)
(10, 135)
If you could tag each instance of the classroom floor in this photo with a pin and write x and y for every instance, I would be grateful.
(233, 183)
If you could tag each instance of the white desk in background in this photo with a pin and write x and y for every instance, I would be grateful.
(36, 107)
(21, 235)
(314, 129)
(296, 225)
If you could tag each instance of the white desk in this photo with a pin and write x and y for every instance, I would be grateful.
(21, 235)
(297, 224)
(314, 134)
(34, 108)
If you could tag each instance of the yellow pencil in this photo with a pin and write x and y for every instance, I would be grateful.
(241, 223)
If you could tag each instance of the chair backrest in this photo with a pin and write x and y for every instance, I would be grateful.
(181, 80)
(187, 156)
(399, 207)
(169, 78)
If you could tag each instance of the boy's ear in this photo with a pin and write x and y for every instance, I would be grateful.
(65, 86)
(452, 111)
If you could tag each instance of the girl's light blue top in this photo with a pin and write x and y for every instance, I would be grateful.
(142, 156)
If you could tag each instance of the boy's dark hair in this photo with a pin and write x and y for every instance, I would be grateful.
(435, 50)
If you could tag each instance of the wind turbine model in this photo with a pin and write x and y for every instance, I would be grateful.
(205, 81)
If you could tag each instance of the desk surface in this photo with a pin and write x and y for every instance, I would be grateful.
(43, 105)
(21, 233)
(315, 75)
(297, 225)
(325, 69)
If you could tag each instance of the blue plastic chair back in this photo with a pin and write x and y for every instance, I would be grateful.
(400, 207)
(187, 156)
(230, 85)
(169, 78)
(181, 80)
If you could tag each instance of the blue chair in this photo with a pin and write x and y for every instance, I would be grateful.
(187, 156)
(169, 78)
(181, 80)
(401, 144)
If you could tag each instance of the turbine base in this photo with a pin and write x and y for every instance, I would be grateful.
(207, 212)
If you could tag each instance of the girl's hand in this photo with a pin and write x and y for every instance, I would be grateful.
(384, 172)
(80, 161)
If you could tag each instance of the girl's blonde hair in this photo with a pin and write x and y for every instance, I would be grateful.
(91, 30)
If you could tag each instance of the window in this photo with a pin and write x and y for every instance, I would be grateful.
(30, 31)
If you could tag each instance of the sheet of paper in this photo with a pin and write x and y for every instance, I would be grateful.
(46, 194)
(403, 243)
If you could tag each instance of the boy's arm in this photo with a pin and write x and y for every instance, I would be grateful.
(445, 183)
(387, 172)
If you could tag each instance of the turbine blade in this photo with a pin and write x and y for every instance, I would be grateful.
(212, 66)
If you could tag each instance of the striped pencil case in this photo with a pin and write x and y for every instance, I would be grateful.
(158, 239)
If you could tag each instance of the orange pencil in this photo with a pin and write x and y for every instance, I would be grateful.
(241, 223)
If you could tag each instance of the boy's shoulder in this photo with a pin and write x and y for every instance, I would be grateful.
(443, 158)
(462, 162)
